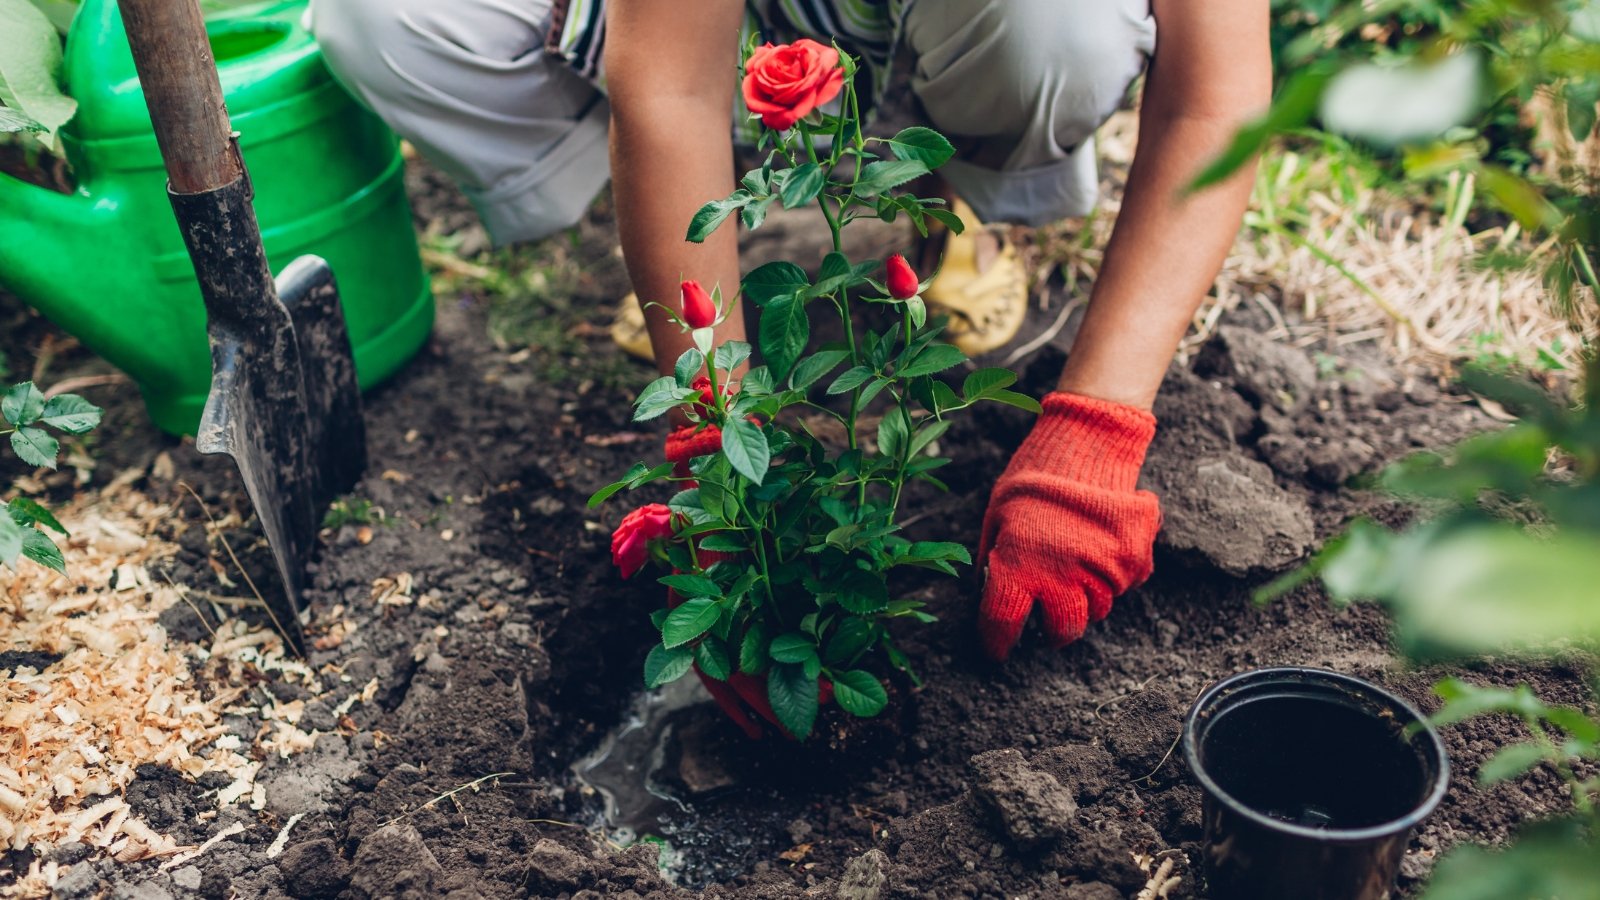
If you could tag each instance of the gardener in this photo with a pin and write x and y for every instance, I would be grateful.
(503, 95)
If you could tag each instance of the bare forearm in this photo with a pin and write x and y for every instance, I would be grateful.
(671, 151)
(1163, 257)
(666, 163)
(1212, 73)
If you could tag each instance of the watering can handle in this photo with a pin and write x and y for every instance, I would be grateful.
(173, 57)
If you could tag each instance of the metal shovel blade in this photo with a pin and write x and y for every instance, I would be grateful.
(284, 403)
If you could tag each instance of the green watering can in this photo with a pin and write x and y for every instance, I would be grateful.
(107, 263)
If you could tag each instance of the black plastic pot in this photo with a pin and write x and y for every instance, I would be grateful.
(1312, 781)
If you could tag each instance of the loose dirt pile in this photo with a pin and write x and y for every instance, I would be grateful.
(471, 641)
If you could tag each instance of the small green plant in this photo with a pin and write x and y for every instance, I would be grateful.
(354, 510)
(780, 544)
(1506, 564)
(27, 416)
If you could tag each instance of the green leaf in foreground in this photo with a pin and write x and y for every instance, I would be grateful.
(22, 404)
(35, 446)
(30, 68)
(712, 658)
(663, 665)
(38, 547)
(1551, 859)
(12, 536)
(746, 448)
(689, 621)
(70, 413)
(793, 695)
(925, 145)
(28, 512)
(1511, 761)
(859, 693)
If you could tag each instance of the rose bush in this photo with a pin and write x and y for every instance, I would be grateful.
(783, 543)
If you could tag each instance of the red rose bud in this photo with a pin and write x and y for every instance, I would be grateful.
(698, 310)
(630, 543)
(901, 281)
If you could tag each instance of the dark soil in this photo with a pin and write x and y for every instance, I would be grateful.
(1044, 777)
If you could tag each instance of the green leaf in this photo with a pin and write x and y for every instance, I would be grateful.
(1510, 761)
(30, 68)
(755, 213)
(1464, 700)
(886, 175)
(13, 535)
(71, 414)
(723, 543)
(35, 446)
(659, 397)
(38, 547)
(775, 279)
(859, 693)
(863, 592)
(927, 434)
(792, 647)
(850, 380)
(712, 658)
(23, 404)
(785, 330)
(689, 365)
(688, 621)
(1293, 107)
(793, 695)
(1452, 596)
(936, 358)
(851, 637)
(691, 585)
(753, 650)
(803, 185)
(812, 368)
(29, 512)
(730, 355)
(745, 445)
(1020, 401)
(893, 433)
(1518, 196)
(924, 145)
(713, 214)
(665, 665)
(1546, 860)
(986, 382)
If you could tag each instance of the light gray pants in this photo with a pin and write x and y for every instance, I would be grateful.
(470, 85)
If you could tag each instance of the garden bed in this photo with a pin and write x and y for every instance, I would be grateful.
(471, 625)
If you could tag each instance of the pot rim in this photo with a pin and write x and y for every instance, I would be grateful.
(1304, 674)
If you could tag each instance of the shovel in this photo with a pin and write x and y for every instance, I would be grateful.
(284, 403)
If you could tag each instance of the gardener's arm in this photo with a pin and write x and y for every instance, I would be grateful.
(670, 72)
(1212, 72)
(1066, 527)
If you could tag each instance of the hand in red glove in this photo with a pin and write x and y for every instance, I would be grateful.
(684, 443)
(1065, 526)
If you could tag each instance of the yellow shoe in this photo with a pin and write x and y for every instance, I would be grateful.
(986, 306)
(629, 332)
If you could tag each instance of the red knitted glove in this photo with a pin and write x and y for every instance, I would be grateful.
(1065, 525)
(684, 443)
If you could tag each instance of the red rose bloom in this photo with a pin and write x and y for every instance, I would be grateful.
(630, 543)
(901, 281)
(698, 310)
(783, 84)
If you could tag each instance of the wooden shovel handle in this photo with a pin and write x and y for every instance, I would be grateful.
(179, 77)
